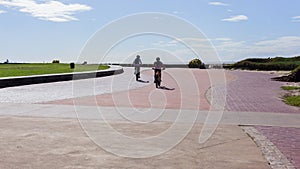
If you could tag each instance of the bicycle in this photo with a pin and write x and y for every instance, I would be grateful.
(157, 77)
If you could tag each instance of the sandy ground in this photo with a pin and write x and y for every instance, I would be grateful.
(61, 143)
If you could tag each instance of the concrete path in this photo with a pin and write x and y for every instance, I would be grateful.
(145, 114)
(61, 143)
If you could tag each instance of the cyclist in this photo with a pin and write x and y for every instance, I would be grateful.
(158, 66)
(137, 63)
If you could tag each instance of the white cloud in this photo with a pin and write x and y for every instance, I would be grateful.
(50, 10)
(180, 42)
(218, 4)
(237, 50)
(287, 45)
(296, 19)
(236, 18)
(230, 50)
(1, 12)
(222, 39)
(286, 41)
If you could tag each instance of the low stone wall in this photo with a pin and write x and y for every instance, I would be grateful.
(27, 80)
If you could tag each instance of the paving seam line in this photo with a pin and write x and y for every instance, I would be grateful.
(271, 153)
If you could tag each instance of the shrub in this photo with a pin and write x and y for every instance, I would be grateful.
(228, 66)
(196, 63)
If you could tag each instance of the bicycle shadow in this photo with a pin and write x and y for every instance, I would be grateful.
(142, 81)
(166, 88)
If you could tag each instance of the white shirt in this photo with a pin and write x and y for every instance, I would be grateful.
(137, 62)
(158, 65)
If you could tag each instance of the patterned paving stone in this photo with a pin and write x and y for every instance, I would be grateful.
(287, 140)
(256, 92)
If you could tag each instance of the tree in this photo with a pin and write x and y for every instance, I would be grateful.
(55, 61)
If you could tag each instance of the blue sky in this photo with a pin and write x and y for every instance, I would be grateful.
(43, 30)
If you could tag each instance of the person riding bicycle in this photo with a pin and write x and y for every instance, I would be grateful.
(158, 66)
(137, 63)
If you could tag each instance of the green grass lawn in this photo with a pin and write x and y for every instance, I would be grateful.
(292, 100)
(27, 69)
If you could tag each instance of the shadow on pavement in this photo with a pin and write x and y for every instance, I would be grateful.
(142, 81)
(166, 88)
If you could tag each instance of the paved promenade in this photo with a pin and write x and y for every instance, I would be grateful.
(256, 92)
(44, 115)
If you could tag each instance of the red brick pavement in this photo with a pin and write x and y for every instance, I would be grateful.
(287, 140)
(145, 97)
(256, 92)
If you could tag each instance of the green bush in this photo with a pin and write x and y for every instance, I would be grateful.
(196, 63)
(277, 63)
(276, 59)
(228, 66)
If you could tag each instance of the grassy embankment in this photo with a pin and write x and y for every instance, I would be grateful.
(289, 88)
(27, 69)
(278, 63)
(291, 98)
